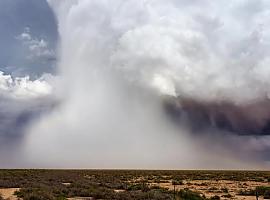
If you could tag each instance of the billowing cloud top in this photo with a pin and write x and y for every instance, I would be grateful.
(23, 88)
(204, 50)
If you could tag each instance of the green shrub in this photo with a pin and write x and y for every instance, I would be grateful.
(266, 194)
(213, 188)
(262, 189)
(225, 190)
(215, 198)
(189, 195)
(247, 192)
(227, 196)
(177, 182)
(35, 194)
(155, 187)
(143, 187)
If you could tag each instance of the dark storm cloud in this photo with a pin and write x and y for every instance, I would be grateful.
(250, 119)
(15, 115)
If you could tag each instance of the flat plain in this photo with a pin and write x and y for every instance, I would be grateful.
(133, 184)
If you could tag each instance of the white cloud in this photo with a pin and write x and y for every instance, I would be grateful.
(207, 51)
(37, 48)
(23, 87)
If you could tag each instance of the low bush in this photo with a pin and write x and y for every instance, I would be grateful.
(267, 194)
(262, 190)
(247, 192)
(177, 182)
(215, 197)
(189, 195)
(226, 190)
(227, 196)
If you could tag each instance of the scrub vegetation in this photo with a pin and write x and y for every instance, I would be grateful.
(134, 184)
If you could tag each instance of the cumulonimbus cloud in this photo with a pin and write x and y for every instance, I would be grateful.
(118, 59)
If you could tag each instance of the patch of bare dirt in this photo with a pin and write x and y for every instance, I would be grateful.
(67, 184)
(8, 193)
(118, 191)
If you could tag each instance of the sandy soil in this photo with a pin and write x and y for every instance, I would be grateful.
(220, 188)
(7, 193)
(66, 184)
(118, 191)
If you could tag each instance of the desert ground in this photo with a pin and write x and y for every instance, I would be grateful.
(8, 193)
(133, 184)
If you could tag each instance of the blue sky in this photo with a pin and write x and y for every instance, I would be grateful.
(17, 16)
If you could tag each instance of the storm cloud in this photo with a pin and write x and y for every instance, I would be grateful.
(120, 60)
(157, 84)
